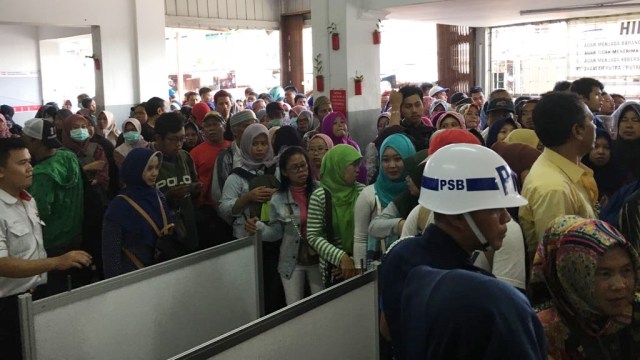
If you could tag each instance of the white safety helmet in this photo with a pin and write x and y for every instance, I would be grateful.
(460, 178)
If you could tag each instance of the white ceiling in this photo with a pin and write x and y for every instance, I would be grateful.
(487, 13)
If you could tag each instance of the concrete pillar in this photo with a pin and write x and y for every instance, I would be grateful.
(357, 53)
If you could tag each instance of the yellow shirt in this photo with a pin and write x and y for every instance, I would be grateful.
(555, 187)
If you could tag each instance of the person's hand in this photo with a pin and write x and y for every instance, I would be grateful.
(395, 100)
(250, 226)
(400, 226)
(347, 268)
(94, 166)
(76, 258)
(178, 192)
(261, 194)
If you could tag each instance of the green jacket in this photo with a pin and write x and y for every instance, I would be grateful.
(57, 188)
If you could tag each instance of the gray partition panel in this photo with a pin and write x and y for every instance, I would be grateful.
(338, 323)
(153, 313)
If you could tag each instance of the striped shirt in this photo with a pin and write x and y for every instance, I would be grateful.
(329, 252)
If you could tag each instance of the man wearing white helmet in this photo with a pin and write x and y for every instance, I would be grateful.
(468, 188)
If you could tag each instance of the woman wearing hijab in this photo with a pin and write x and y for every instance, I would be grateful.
(130, 236)
(330, 225)
(436, 107)
(192, 136)
(76, 138)
(131, 130)
(471, 114)
(4, 128)
(608, 175)
(389, 184)
(627, 145)
(335, 126)
(318, 147)
(499, 130)
(371, 151)
(303, 122)
(257, 156)
(591, 276)
(107, 126)
(449, 120)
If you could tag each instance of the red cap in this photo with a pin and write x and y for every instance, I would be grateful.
(451, 136)
(199, 111)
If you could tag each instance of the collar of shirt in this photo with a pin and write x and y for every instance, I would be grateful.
(7, 198)
(574, 171)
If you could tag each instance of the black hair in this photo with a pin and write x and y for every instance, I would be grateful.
(285, 136)
(584, 86)
(152, 105)
(10, 144)
(7, 110)
(290, 87)
(64, 113)
(204, 90)
(285, 182)
(425, 87)
(562, 85)
(475, 90)
(411, 90)
(219, 94)
(618, 96)
(298, 97)
(167, 123)
(86, 102)
(186, 111)
(520, 106)
(47, 111)
(266, 97)
(555, 115)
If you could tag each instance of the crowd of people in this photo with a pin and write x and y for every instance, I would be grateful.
(503, 228)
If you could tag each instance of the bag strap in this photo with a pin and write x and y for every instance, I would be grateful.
(136, 262)
(328, 215)
(147, 217)
(243, 173)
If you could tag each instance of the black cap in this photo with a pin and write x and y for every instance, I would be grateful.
(501, 104)
(458, 98)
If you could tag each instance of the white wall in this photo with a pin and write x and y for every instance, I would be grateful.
(130, 40)
(19, 67)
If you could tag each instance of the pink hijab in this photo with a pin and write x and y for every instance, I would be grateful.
(315, 171)
(4, 128)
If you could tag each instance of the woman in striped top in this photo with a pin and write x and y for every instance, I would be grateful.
(334, 242)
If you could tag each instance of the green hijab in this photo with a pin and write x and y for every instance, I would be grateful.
(343, 196)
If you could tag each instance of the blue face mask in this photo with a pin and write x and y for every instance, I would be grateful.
(79, 135)
(131, 137)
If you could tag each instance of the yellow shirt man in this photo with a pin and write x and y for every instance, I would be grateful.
(554, 187)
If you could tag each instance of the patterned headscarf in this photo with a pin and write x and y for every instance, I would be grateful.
(567, 261)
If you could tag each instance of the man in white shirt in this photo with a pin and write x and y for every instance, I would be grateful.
(23, 260)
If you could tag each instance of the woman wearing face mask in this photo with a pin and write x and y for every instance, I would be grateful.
(132, 140)
(129, 237)
(591, 275)
(330, 226)
(335, 126)
(389, 184)
(75, 137)
(298, 263)
(107, 126)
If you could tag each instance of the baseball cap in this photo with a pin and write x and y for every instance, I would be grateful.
(41, 129)
(501, 104)
(460, 98)
(437, 89)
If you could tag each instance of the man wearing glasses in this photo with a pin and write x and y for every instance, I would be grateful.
(178, 179)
